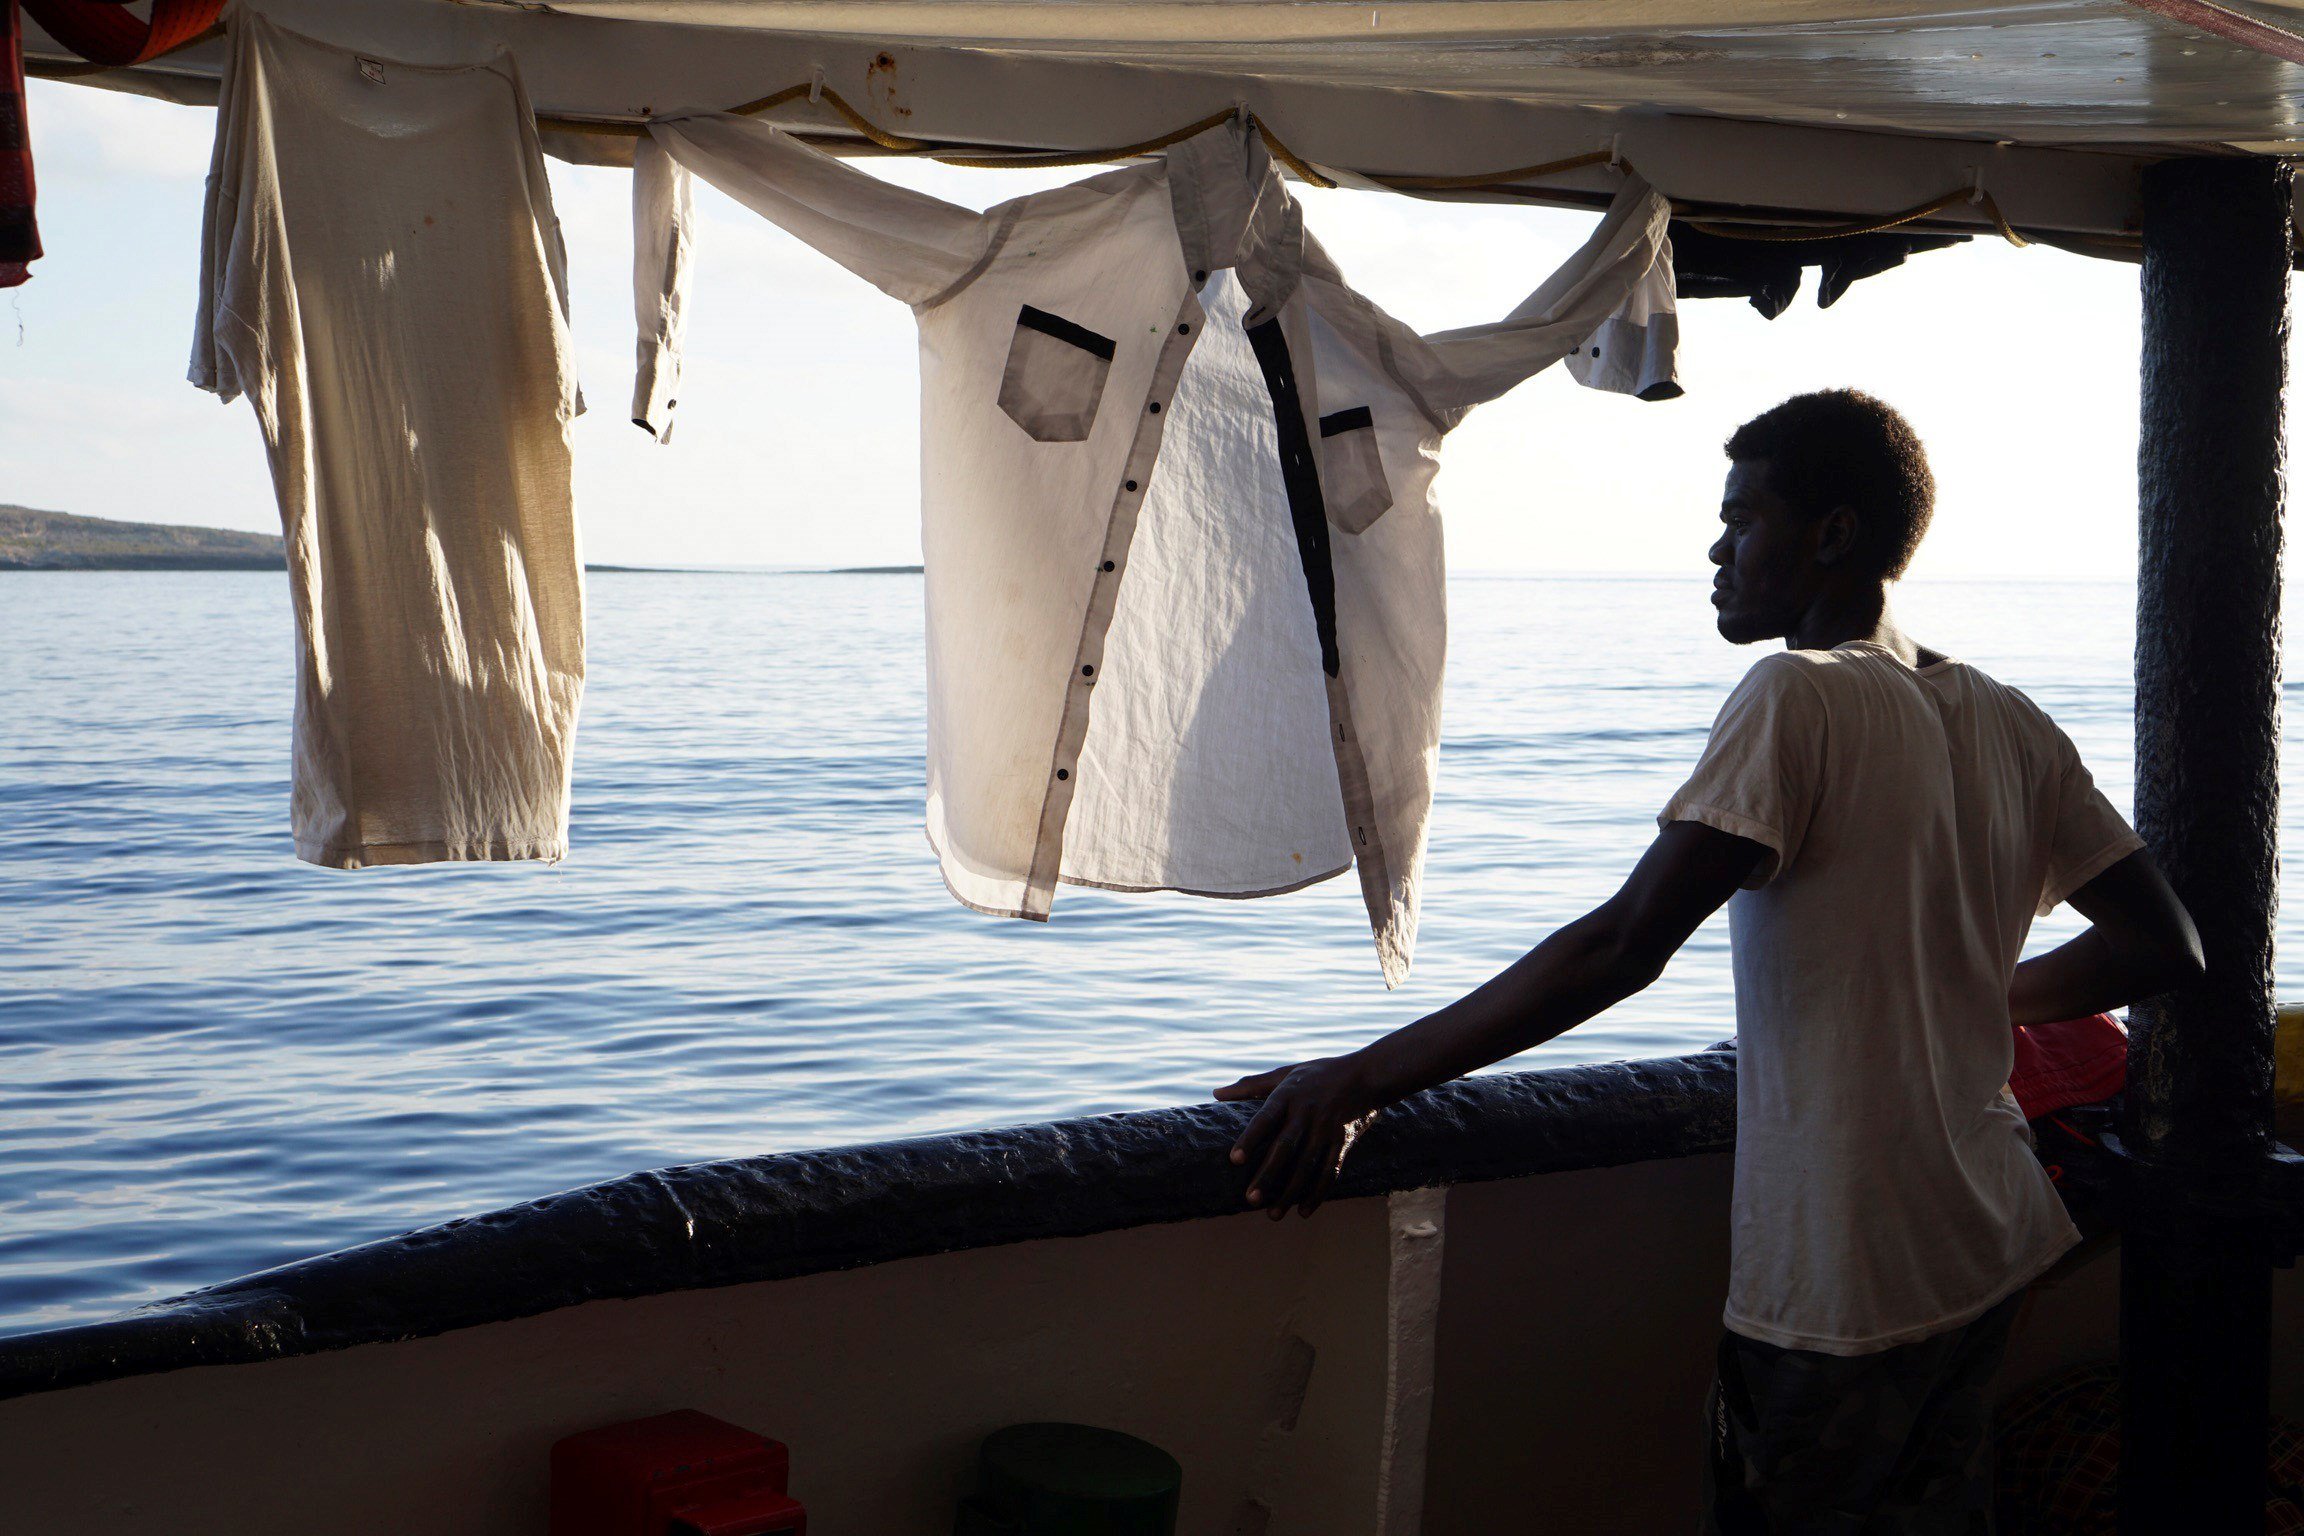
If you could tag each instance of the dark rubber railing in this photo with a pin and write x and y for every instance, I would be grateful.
(803, 1213)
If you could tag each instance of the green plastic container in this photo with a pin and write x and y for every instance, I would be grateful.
(1071, 1480)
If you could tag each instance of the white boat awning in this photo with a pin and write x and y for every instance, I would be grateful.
(1774, 110)
(2044, 72)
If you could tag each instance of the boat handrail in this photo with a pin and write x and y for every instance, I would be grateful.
(800, 1213)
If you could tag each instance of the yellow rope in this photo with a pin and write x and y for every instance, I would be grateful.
(1872, 227)
(838, 103)
(1490, 178)
(2000, 221)
(1083, 157)
(903, 146)
(773, 99)
(606, 128)
(1289, 158)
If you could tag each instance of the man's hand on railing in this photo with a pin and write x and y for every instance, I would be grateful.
(1313, 1112)
(1311, 1115)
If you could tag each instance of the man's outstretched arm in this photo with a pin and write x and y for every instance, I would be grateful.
(1313, 1111)
(2141, 943)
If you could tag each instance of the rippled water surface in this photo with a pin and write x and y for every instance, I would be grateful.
(214, 1058)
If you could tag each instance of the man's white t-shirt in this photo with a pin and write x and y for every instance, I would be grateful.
(1917, 820)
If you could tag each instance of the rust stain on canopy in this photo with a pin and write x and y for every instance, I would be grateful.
(883, 87)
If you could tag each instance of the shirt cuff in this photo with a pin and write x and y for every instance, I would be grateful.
(1631, 358)
(2062, 883)
(655, 387)
(1735, 824)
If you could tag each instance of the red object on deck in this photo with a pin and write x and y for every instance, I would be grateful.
(678, 1474)
(2076, 1061)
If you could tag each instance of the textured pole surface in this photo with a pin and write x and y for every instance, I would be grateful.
(2195, 1302)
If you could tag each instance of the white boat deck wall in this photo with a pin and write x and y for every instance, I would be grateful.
(1576, 1320)
(881, 1380)
(1577, 1325)
(1577, 1334)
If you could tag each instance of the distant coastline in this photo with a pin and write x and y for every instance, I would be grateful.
(34, 540)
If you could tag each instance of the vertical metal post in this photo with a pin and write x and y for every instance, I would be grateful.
(2196, 1300)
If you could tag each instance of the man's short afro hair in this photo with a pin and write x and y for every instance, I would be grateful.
(1843, 448)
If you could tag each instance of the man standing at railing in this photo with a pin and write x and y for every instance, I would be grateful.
(1884, 823)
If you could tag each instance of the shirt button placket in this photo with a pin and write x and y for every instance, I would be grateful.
(1130, 486)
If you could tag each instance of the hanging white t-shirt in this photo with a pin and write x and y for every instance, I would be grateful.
(382, 275)
(1916, 822)
(1186, 616)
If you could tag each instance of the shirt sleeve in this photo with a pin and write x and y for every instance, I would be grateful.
(1636, 350)
(2086, 836)
(1762, 768)
(909, 245)
(227, 330)
(1614, 294)
(663, 233)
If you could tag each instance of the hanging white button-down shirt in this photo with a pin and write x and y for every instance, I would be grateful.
(1186, 618)
(381, 274)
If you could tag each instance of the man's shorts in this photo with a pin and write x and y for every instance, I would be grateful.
(1896, 1443)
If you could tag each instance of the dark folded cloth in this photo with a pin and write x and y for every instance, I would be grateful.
(1767, 272)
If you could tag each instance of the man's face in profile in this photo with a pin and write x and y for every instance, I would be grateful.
(1766, 554)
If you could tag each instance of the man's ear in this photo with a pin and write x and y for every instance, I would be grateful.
(1835, 535)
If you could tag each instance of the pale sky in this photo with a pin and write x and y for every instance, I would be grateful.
(798, 436)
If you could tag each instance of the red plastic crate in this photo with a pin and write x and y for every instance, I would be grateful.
(677, 1474)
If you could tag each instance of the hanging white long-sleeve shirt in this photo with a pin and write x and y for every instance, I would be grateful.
(381, 274)
(1186, 619)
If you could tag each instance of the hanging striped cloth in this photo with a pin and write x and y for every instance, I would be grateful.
(19, 235)
(106, 32)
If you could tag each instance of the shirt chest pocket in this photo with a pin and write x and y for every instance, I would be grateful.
(1352, 480)
(1054, 379)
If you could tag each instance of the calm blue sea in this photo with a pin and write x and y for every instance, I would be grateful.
(214, 1058)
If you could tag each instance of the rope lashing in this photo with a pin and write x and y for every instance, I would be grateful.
(896, 144)
(1873, 226)
(815, 90)
(1491, 178)
(1289, 157)
(110, 36)
(1086, 156)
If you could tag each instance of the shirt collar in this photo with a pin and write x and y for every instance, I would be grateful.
(1233, 210)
